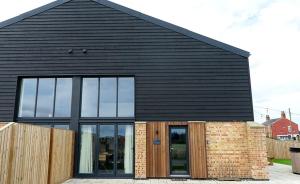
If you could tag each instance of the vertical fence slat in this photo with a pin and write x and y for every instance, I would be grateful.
(28, 157)
(280, 149)
(61, 164)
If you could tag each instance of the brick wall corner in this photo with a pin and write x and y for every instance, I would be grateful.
(140, 150)
(257, 151)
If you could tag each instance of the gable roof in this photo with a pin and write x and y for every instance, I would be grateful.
(137, 14)
(270, 122)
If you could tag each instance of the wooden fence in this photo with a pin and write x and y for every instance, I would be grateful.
(280, 149)
(33, 154)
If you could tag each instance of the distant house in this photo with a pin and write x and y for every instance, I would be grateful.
(281, 128)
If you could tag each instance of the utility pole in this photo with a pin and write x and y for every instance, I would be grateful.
(290, 114)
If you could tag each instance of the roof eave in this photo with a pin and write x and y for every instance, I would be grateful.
(175, 28)
(32, 12)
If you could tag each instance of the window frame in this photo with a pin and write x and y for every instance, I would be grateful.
(34, 117)
(75, 120)
(117, 117)
(95, 174)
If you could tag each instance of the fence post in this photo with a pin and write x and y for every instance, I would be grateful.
(50, 155)
(11, 153)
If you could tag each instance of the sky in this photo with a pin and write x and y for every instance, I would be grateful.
(268, 29)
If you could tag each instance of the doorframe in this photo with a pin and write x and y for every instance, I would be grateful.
(187, 151)
(95, 173)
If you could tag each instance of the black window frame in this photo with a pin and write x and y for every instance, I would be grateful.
(34, 117)
(95, 173)
(117, 117)
(75, 120)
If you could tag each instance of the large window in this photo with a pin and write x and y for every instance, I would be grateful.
(45, 97)
(107, 97)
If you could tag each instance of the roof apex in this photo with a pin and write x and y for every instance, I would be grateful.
(137, 14)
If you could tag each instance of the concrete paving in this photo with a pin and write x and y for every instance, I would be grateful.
(279, 174)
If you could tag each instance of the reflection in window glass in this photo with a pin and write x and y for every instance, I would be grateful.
(89, 101)
(108, 97)
(126, 97)
(66, 127)
(88, 137)
(44, 125)
(63, 97)
(106, 149)
(27, 98)
(45, 97)
(125, 149)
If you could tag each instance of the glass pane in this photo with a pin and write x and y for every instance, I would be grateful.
(66, 127)
(108, 97)
(43, 125)
(125, 149)
(45, 98)
(63, 97)
(89, 101)
(88, 137)
(106, 149)
(179, 164)
(27, 98)
(126, 97)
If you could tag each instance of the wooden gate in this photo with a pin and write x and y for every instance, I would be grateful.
(34, 154)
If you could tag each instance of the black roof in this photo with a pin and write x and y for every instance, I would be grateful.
(129, 11)
(271, 121)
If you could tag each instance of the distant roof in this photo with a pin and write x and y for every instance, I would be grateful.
(271, 121)
(137, 14)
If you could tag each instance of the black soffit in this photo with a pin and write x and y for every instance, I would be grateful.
(137, 14)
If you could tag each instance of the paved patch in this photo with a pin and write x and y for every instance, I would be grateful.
(279, 174)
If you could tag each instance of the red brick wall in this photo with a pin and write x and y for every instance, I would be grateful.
(280, 127)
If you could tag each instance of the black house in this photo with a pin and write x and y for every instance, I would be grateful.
(100, 69)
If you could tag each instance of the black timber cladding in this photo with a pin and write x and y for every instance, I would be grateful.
(178, 77)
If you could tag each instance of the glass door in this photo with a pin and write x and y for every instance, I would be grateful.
(106, 150)
(179, 150)
(113, 145)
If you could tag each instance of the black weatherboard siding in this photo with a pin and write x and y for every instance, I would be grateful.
(178, 77)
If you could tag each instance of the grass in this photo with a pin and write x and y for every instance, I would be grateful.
(282, 161)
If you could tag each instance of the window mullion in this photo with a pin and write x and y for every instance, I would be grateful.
(36, 96)
(117, 97)
(98, 101)
(54, 97)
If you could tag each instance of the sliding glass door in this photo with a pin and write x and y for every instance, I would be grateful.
(107, 150)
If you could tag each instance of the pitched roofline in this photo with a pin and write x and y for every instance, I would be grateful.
(173, 27)
(135, 13)
(32, 12)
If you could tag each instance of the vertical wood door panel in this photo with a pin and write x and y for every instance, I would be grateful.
(198, 165)
(157, 154)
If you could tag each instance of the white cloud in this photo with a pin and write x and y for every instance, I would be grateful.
(269, 29)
